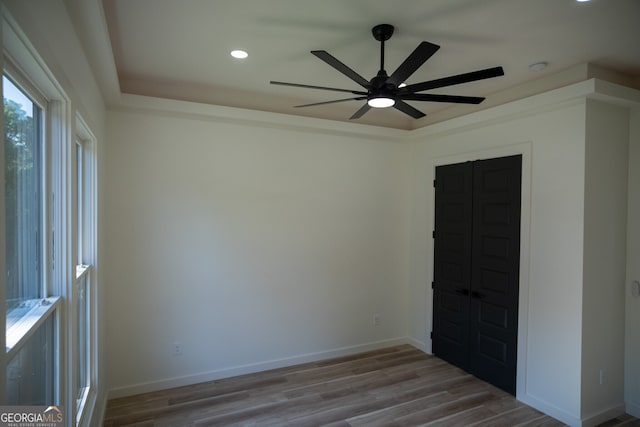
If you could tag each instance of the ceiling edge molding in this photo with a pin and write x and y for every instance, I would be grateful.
(543, 102)
(243, 116)
(546, 101)
(532, 87)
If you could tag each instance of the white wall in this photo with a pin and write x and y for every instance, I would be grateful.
(632, 321)
(252, 245)
(605, 229)
(551, 141)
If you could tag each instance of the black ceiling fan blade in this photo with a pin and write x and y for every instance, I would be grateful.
(408, 109)
(360, 112)
(355, 92)
(432, 97)
(454, 80)
(414, 61)
(359, 98)
(335, 63)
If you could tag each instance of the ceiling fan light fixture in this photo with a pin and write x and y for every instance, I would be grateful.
(381, 102)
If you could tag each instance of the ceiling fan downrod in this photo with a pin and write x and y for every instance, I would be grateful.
(382, 33)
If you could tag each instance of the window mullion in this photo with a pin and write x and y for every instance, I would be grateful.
(61, 210)
(63, 275)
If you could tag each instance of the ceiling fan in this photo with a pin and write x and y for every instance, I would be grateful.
(384, 91)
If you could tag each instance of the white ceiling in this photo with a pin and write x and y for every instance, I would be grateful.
(180, 49)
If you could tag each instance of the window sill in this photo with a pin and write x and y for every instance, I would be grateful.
(18, 334)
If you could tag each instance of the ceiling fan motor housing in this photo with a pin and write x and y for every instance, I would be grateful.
(379, 88)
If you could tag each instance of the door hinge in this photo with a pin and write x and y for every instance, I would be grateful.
(433, 285)
(433, 234)
(434, 183)
(431, 335)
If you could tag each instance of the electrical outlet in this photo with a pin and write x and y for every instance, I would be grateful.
(177, 348)
(376, 320)
(635, 289)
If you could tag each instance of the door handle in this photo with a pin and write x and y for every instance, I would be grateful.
(477, 295)
(462, 291)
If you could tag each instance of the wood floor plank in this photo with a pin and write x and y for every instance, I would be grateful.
(542, 422)
(388, 415)
(398, 386)
(453, 406)
(511, 418)
(462, 418)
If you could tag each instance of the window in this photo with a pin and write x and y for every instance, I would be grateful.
(31, 310)
(84, 295)
(48, 215)
(30, 378)
(23, 201)
(81, 288)
(83, 311)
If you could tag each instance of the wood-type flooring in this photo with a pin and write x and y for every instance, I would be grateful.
(396, 386)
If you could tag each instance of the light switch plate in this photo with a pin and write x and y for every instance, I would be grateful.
(635, 289)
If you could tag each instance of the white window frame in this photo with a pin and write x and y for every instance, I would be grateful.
(50, 306)
(85, 255)
(22, 61)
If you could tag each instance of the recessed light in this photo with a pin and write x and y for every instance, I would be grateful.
(240, 54)
(583, 1)
(538, 66)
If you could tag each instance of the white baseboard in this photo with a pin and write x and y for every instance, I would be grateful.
(551, 410)
(603, 416)
(254, 367)
(419, 345)
(633, 409)
(571, 420)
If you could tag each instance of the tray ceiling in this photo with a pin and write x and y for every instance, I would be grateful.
(181, 49)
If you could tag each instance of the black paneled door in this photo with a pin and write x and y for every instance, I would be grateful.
(476, 267)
